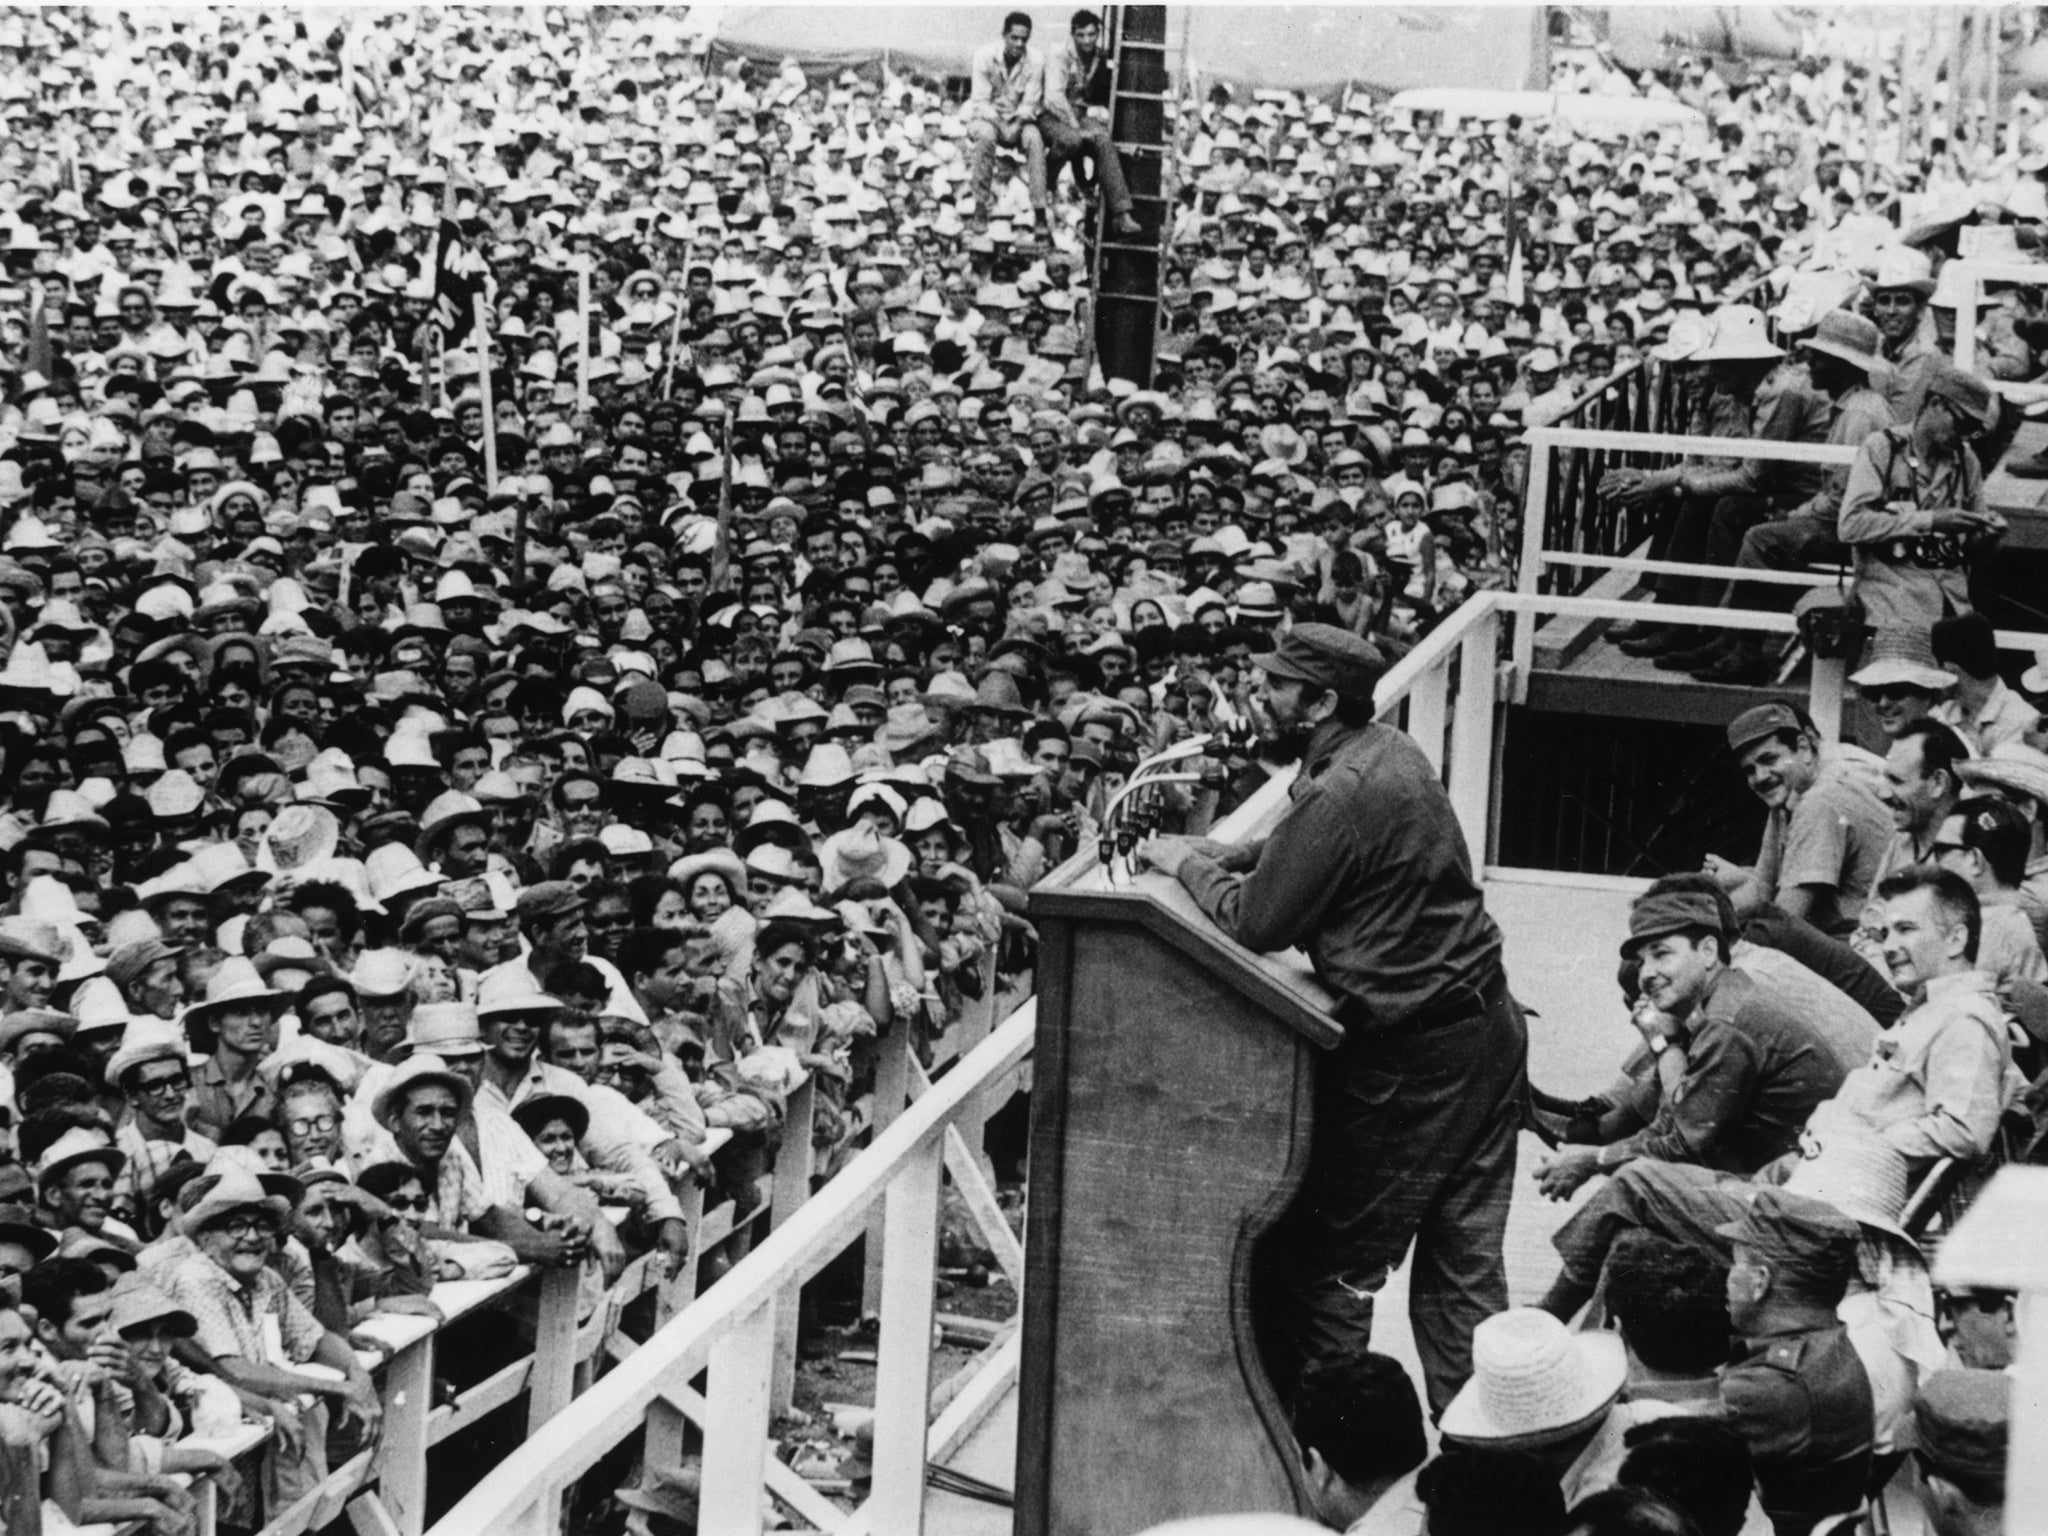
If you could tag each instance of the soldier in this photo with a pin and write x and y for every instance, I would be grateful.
(1799, 1393)
(1962, 1417)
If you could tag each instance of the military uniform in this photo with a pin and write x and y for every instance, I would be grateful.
(1800, 1396)
(1804, 1404)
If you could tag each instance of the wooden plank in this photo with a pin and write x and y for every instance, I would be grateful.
(487, 1396)
(979, 1195)
(370, 1518)
(1540, 438)
(893, 1065)
(903, 1369)
(986, 1381)
(552, 1384)
(408, 1392)
(1471, 775)
(733, 1502)
(794, 1162)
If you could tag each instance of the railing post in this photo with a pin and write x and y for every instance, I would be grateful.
(553, 1382)
(1429, 713)
(402, 1456)
(1535, 513)
(735, 1495)
(892, 1092)
(793, 1166)
(1824, 701)
(1472, 729)
(903, 1368)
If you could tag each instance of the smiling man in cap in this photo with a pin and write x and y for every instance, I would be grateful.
(1369, 872)
(1825, 832)
(1752, 1068)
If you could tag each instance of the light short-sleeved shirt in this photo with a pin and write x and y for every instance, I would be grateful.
(1833, 837)
(263, 1322)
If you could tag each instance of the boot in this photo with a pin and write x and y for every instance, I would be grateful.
(1655, 640)
(1745, 664)
(1691, 658)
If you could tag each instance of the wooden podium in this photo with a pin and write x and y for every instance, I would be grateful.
(1170, 1117)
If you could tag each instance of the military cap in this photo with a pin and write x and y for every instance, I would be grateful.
(1796, 1234)
(1327, 657)
(1753, 725)
(1652, 917)
(1963, 1420)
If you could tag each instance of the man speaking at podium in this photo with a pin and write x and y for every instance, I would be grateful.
(1416, 1112)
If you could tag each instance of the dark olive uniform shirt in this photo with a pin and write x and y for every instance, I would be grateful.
(1803, 1402)
(1368, 872)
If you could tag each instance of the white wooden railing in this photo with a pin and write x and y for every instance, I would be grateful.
(1971, 274)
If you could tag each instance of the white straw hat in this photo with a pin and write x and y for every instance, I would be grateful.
(1534, 1381)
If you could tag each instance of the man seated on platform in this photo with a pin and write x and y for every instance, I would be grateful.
(1826, 830)
(1985, 842)
(1737, 1071)
(1075, 77)
(1982, 710)
(1936, 1084)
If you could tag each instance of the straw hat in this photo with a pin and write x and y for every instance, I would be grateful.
(301, 836)
(511, 989)
(425, 1067)
(146, 1040)
(445, 1029)
(860, 852)
(1903, 656)
(234, 1190)
(1739, 334)
(1858, 1173)
(718, 861)
(1903, 267)
(75, 1146)
(1534, 1381)
(1850, 337)
(2011, 766)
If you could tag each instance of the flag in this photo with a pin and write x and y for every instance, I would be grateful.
(458, 282)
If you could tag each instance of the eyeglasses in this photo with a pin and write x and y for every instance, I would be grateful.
(1895, 693)
(247, 1224)
(151, 1087)
(1895, 301)
(309, 1124)
(419, 1204)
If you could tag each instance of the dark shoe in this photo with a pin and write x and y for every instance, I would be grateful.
(1742, 664)
(1658, 639)
(2033, 467)
(1124, 226)
(1691, 659)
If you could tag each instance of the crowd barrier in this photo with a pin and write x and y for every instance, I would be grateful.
(1633, 401)
(383, 1490)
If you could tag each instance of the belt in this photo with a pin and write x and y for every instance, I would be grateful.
(1462, 1000)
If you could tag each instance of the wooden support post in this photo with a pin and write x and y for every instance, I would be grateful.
(893, 1065)
(1429, 714)
(1472, 733)
(734, 1501)
(1824, 701)
(552, 1384)
(903, 1370)
(1535, 511)
(793, 1166)
(402, 1455)
(483, 381)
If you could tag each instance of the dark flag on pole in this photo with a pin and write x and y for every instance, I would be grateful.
(458, 283)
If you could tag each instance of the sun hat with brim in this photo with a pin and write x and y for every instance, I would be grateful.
(511, 989)
(1858, 1173)
(415, 1070)
(18, 1026)
(138, 1304)
(1739, 334)
(1902, 267)
(1965, 394)
(795, 906)
(1534, 1381)
(534, 1114)
(1849, 337)
(1902, 657)
(75, 1146)
(445, 1029)
(232, 1190)
(237, 984)
(2012, 766)
(716, 861)
(18, 1226)
(80, 1244)
(146, 1040)
(861, 852)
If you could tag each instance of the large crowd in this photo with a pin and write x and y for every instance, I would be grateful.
(459, 780)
